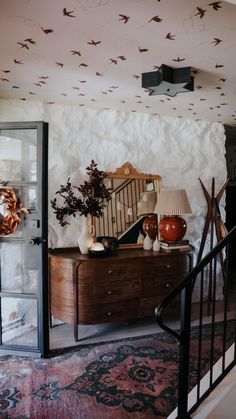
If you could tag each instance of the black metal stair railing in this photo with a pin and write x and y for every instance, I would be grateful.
(200, 358)
(122, 210)
(105, 225)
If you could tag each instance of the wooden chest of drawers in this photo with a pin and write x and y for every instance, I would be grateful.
(127, 286)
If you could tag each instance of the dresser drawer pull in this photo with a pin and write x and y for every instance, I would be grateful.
(109, 313)
(109, 272)
(109, 292)
(168, 285)
(168, 266)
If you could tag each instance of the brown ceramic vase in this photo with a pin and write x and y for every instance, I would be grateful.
(172, 229)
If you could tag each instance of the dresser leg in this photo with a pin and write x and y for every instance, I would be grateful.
(76, 332)
(76, 308)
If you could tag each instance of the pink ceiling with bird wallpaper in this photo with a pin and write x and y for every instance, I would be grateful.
(91, 53)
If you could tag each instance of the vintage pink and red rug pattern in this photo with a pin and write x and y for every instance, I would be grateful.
(133, 378)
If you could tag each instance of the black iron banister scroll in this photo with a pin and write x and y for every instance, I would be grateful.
(183, 334)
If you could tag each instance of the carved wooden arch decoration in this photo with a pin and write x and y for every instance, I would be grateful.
(128, 171)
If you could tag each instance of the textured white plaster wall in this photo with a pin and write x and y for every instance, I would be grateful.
(179, 150)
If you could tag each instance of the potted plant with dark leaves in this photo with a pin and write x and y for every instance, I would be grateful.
(87, 200)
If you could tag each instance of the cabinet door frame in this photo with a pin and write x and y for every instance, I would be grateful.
(42, 291)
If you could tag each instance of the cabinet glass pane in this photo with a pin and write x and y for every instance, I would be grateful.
(15, 275)
(28, 197)
(19, 322)
(18, 159)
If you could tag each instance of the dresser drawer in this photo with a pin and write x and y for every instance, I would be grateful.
(148, 305)
(91, 292)
(160, 284)
(104, 271)
(109, 312)
(166, 265)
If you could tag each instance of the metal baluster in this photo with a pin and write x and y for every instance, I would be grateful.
(123, 211)
(226, 294)
(185, 323)
(126, 209)
(132, 202)
(119, 212)
(213, 320)
(112, 224)
(200, 335)
(135, 200)
(139, 193)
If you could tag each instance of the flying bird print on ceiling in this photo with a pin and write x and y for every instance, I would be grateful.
(58, 51)
(155, 19)
(201, 12)
(23, 45)
(170, 36)
(73, 52)
(216, 41)
(68, 13)
(30, 40)
(94, 43)
(47, 31)
(179, 60)
(124, 18)
(216, 5)
(142, 49)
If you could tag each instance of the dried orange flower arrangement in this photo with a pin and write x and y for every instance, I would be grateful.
(10, 211)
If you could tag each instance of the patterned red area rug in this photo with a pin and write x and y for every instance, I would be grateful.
(131, 378)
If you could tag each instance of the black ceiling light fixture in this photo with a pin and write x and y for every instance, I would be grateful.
(168, 81)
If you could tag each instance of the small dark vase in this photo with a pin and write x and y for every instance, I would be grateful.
(150, 226)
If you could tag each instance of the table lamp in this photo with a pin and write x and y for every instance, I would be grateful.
(172, 203)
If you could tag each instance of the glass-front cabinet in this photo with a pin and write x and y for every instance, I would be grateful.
(23, 252)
